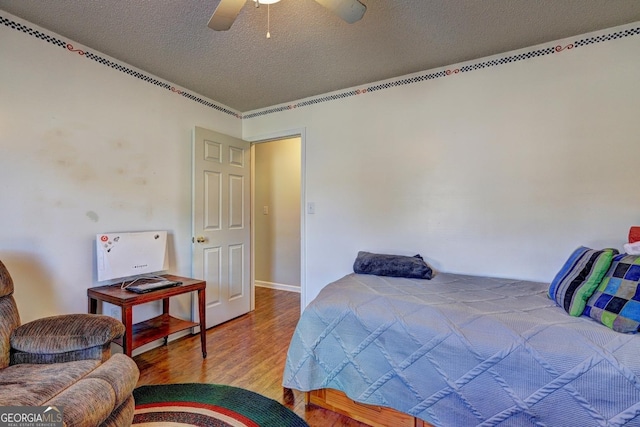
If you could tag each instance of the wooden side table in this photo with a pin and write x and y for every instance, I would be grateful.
(158, 327)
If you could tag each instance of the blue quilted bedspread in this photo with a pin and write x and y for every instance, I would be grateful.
(463, 351)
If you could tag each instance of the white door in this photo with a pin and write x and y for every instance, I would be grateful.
(221, 217)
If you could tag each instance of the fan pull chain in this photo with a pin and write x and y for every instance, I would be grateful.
(268, 22)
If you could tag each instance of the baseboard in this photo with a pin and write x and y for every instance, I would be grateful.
(278, 286)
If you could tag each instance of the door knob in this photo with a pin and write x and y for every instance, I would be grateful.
(201, 239)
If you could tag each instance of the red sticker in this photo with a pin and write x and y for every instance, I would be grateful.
(104, 238)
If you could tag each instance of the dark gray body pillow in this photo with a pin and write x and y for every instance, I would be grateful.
(392, 265)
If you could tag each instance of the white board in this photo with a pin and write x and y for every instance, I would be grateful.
(128, 254)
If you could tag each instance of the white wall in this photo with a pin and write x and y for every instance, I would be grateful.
(500, 171)
(85, 149)
(277, 232)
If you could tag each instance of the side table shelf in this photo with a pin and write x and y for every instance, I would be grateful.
(158, 327)
(139, 334)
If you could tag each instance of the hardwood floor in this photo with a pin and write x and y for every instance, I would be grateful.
(247, 352)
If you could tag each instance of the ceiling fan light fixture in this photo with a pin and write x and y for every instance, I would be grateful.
(227, 11)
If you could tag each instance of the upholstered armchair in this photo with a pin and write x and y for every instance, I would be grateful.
(64, 361)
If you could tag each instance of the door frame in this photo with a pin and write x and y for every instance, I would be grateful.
(275, 136)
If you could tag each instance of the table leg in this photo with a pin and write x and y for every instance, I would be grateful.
(93, 305)
(127, 340)
(203, 322)
(165, 310)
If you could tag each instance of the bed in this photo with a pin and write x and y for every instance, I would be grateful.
(461, 350)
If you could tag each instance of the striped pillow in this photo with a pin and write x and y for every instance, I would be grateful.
(579, 277)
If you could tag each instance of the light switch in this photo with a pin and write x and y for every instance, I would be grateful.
(311, 208)
(265, 210)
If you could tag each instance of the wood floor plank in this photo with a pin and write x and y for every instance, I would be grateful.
(247, 352)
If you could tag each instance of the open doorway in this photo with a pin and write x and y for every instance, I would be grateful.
(277, 219)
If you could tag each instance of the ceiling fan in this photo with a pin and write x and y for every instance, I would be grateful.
(228, 10)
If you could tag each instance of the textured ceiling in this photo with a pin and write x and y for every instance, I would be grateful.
(311, 51)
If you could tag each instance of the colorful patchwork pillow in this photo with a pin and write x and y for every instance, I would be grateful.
(579, 277)
(616, 302)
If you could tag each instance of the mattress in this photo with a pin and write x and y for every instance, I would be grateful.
(463, 350)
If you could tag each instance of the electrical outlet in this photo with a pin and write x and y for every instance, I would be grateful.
(115, 313)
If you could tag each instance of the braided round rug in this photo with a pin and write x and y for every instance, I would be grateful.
(209, 405)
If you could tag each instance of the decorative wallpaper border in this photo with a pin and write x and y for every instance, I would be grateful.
(320, 99)
(112, 64)
(464, 69)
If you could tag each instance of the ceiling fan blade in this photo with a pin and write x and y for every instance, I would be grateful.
(225, 14)
(349, 10)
